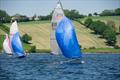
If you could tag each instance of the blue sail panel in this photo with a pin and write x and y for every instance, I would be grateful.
(66, 38)
(17, 45)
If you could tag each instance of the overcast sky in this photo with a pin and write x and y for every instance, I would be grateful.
(44, 7)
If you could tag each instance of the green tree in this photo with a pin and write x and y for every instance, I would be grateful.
(33, 49)
(73, 14)
(117, 11)
(98, 27)
(4, 17)
(20, 18)
(89, 14)
(93, 25)
(110, 36)
(26, 38)
(107, 13)
(95, 13)
(87, 22)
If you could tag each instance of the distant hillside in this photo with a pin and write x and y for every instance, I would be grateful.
(87, 39)
(2, 32)
(116, 20)
(40, 32)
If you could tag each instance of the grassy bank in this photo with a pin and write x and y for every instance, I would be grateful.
(101, 50)
(43, 51)
(4, 28)
(40, 33)
(1, 42)
(86, 51)
(115, 19)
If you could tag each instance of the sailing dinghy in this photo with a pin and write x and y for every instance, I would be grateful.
(67, 41)
(6, 45)
(15, 41)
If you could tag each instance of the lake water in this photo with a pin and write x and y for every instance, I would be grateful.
(51, 67)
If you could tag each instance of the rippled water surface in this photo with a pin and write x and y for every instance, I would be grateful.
(51, 67)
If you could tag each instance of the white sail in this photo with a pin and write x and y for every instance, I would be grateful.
(13, 30)
(15, 41)
(58, 14)
(6, 45)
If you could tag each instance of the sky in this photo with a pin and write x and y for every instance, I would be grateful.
(44, 7)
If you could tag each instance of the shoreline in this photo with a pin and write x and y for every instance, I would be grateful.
(85, 51)
(82, 53)
(96, 50)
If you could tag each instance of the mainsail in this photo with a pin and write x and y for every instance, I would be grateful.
(15, 40)
(6, 45)
(58, 14)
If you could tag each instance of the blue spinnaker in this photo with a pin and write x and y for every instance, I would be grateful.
(66, 38)
(17, 45)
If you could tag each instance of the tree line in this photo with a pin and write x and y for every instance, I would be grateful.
(115, 12)
(4, 17)
(72, 14)
(107, 31)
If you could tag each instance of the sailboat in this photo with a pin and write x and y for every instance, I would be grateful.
(67, 40)
(15, 41)
(58, 14)
(6, 45)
